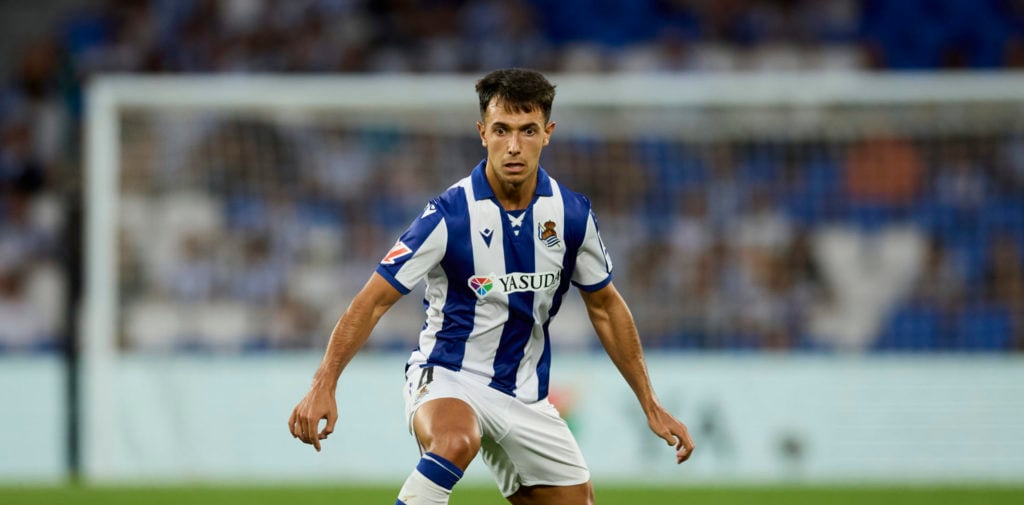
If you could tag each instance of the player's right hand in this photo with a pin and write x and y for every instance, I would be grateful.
(305, 419)
(673, 431)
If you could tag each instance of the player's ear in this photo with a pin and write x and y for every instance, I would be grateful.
(480, 129)
(548, 130)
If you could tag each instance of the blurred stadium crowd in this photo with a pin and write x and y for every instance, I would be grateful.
(737, 248)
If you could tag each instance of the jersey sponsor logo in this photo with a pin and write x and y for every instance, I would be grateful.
(514, 282)
(399, 250)
(546, 232)
(481, 285)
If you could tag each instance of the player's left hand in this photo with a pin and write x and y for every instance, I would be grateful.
(672, 431)
(305, 419)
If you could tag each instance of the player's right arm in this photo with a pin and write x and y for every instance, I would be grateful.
(417, 251)
(349, 335)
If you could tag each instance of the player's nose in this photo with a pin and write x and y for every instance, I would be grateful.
(513, 144)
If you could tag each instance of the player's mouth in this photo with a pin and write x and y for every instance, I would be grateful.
(515, 166)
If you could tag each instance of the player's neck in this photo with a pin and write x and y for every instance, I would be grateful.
(515, 196)
(512, 195)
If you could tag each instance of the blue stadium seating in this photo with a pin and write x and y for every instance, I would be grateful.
(984, 327)
(912, 327)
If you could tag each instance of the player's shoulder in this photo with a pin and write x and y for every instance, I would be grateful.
(451, 201)
(573, 201)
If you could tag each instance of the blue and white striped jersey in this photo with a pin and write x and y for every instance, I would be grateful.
(496, 278)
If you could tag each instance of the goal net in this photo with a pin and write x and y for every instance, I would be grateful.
(752, 212)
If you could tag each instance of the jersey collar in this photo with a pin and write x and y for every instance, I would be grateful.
(482, 190)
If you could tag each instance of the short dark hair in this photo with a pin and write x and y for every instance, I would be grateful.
(520, 89)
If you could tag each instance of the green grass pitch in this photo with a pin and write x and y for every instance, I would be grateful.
(261, 495)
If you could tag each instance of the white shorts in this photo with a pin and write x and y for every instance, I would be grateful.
(522, 444)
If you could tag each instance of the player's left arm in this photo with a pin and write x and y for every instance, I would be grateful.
(617, 332)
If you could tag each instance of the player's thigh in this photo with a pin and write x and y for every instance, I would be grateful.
(579, 494)
(537, 452)
(448, 427)
(442, 417)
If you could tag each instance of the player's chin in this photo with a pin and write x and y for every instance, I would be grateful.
(514, 173)
(517, 177)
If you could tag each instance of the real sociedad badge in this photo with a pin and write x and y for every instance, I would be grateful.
(547, 233)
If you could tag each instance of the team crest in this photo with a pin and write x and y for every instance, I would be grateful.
(399, 250)
(547, 234)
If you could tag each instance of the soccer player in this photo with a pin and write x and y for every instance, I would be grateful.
(499, 249)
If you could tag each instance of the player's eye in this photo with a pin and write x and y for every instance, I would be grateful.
(530, 131)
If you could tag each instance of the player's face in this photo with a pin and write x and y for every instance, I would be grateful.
(514, 141)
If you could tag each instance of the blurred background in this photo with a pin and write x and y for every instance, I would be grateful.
(857, 260)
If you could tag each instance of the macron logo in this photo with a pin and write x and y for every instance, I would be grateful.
(399, 250)
(428, 210)
(487, 233)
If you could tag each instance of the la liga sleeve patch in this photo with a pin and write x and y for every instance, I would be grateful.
(399, 250)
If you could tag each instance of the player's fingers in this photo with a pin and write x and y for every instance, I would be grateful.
(297, 428)
(296, 424)
(304, 426)
(685, 448)
(681, 438)
(332, 417)
(311, 423)
(688, 442)
(667, 435)
(291, 424)
(684, 454)
(301, 427)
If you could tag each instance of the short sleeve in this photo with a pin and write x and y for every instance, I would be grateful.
(417, 251)
(593, 265)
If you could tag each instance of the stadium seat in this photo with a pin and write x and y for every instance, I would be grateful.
(810, 200)
(225, 325)
(869, 216)
(316, 285)
(177, 215)
(906, 46)
(154, 325)
(912, 327)
(984, 327)
(959, 231)
(46, 289)
(1006, 215)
